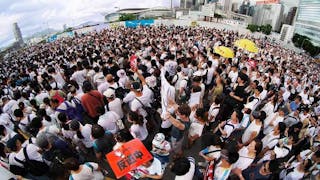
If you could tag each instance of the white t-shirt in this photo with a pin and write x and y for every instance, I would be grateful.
(171, 66)
(253, 127)
(53, 129)
(154, 169)
(58, 78)
(26, 121)
(79, 77)
(196, 128)
(233, 76)
(210, 75)
(108, 121)
(244, 160)
(145, 100)
(268, 128)
(139, 132)
(98, 79)
(103, 87)
(33, 154)
(86, 133)
(87, 173)
(229, 127)
(270, 140)
(129, 97)
(116, 106)
(221, 173)
(213, 111)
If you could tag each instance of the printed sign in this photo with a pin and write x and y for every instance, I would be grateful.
(128, 157)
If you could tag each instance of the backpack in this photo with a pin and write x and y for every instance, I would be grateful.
(153, 118)
(79, 108)
(36, 168)
(187, 89)
(119, 91)
(71, 112)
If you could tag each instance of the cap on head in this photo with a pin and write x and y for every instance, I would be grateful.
(109, 93)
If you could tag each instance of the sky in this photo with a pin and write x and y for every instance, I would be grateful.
(36, 15)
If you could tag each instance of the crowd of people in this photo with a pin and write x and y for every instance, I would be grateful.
(66, 104)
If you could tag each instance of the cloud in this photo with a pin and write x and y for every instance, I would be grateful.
(35, 15)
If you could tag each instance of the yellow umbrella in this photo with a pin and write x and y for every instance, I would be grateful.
(224, 51)
(247, 45)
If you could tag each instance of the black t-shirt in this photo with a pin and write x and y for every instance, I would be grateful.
(177, 133)
(240, 92)
(104, 144)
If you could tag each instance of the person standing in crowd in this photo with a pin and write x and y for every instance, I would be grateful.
(180, 127)
(91, 101)
(276, 89)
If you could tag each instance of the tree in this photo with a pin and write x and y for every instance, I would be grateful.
(305, 43)
(127, 17)
(253, 28)
(266, 29)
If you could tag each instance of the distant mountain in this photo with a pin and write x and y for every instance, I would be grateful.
(43, 33)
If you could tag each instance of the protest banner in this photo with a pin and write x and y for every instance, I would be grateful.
(128, 157)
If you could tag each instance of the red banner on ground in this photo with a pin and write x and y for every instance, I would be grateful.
(129, 156)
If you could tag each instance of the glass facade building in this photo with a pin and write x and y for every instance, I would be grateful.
(308, 20)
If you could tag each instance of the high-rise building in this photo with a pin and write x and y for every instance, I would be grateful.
(269, 14)
(246, 8)
(227, 5)
(17, 33)
(290, 16)
(192, 4)
(308, 20)
(235, 7)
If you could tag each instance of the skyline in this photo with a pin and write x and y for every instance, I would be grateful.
(34, 16)
(37, 15)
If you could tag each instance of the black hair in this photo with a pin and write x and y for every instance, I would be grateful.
(274, 166)
(123, 136)
(181, 166)
(71, 164)
(184, 109)
(2, 150)
(18, 113)
(97, 131)
(137, 118)
(2, 130)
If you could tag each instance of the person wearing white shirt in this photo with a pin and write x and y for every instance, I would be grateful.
(23, 119)
(254, 128)
(79, 76)
(227, 127)
(143, 95)
(270, 123)
(83, 133)
(105, 85)
(33, 153)
(210, 72)
(233, 74)
(152, 169)
(114, 104)
(247, 154)
(214, 109)
(138, 129)
(108, 121)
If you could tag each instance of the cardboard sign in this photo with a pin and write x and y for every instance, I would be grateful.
(128, 157)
